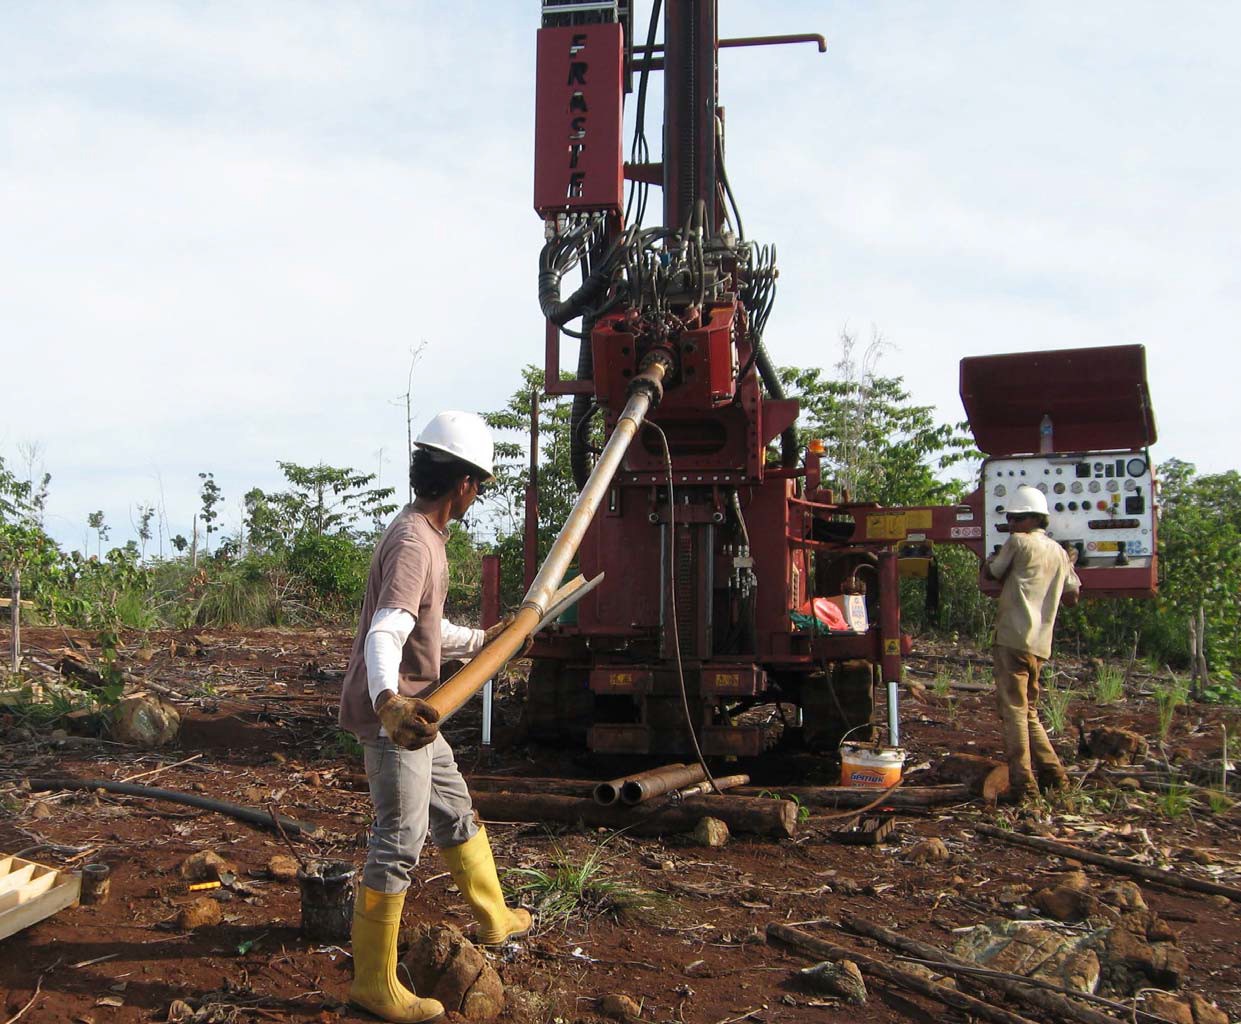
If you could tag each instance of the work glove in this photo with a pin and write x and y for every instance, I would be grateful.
(410, 722)
(491, 632)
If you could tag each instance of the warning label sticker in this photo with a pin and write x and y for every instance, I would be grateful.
(965, 532)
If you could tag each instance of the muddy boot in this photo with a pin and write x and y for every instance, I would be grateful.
(474, 870)
(376, 921)
(1053, 780)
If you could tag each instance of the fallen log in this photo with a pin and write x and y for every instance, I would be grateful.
(1061, 1006)
(508, 784)
(740, 814)
(250, 815)
(985, 777)
(852, 796)
(820, 949)
(1159, 876)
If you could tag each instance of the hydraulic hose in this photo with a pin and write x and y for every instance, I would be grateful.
(579, 450)
(644, 393)
(771, 380)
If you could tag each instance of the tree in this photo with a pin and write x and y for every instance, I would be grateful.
(321, 500)
(211, 495)
(24, 546)
(879, 446)
(145, 514)
(96, 522)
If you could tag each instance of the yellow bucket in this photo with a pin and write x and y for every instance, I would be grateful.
(865, 767)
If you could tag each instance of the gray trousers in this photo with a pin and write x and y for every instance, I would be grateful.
(412, 791)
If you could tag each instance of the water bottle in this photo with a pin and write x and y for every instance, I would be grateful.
(1045, 443)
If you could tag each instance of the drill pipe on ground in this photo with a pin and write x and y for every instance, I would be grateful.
(740, 814)
(607, 793)
(542, 594)
(639, 788)
(722, 783)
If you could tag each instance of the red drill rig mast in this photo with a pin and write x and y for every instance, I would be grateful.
(706, 541)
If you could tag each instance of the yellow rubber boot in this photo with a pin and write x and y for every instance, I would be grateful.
(474, 870)
(376, 921)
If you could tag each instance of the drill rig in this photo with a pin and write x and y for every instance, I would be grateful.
(700, 524)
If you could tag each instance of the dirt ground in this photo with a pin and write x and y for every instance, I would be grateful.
(259, 729)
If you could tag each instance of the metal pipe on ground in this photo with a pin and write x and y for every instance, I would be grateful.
(640, 788)
(607, 793)
(722, 783)
(644, 392)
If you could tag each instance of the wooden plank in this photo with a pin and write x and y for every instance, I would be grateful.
(43, 880)
(17, 878)
(35, 910)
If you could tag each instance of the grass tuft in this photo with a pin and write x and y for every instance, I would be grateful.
(1109, 684)
(584, 889)
(1168, 698)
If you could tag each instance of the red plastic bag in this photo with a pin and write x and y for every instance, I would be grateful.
(826, 612)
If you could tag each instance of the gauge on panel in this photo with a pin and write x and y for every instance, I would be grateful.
(1094, 487)
(1042, 487)
(1076, 487)
(1000, 490)
(1131, 485)
(1113, 486)
(1135, 467)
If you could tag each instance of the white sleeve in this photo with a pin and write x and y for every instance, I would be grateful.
(459, 641)
(390, 628)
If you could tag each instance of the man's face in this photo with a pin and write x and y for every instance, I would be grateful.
(1022, 523)
(463, 497)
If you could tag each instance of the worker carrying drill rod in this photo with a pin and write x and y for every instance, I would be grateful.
(415, 784)
(1037, 576)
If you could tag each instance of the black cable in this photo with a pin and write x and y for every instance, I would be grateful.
(672, 599)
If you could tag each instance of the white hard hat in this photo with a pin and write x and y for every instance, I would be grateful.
(1027, 499)
(463, 435)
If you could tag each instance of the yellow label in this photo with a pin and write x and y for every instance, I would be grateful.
(895, 525)
(891, 647)
(727, 681)
(620, 680)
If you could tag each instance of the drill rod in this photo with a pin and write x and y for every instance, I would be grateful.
(543, 592)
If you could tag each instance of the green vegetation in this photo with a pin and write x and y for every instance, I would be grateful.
(570, 889)
(1175, 801)
(1056, 701)
(1168, 698)
(1109, 684)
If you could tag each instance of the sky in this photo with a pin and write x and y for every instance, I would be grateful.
(228, 226)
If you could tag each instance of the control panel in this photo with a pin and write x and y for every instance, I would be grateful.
(1101, 503)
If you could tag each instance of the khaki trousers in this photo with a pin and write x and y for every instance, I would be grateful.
(1026, 746)
(413, 792)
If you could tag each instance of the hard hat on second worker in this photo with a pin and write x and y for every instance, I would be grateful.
(1027, 500)
(463, 435)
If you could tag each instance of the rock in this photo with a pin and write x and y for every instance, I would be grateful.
(1168, 1007)
(1206, 1012)
(40, 809)
(843, 979)
(1079, 970)
(146, 722)
(710, 832)
(205, 866)
(1131, 963)
(202, 911)
(1061, 903)
(1125, 896)
(924, 972)
(619, 1007)
(445, 965)
(929, 851)
(179, 1012)
(282, 868)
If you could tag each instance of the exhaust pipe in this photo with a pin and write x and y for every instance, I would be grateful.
(644, 393)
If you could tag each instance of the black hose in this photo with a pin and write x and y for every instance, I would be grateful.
(250, 815)
(771, 380)
(579, 447)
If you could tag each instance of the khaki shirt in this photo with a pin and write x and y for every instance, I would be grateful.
(409, 570)
(1036, 571)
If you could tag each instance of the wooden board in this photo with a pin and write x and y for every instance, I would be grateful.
(30, 892)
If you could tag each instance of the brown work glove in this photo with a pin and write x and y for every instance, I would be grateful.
(410, 722)
(491, 632)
